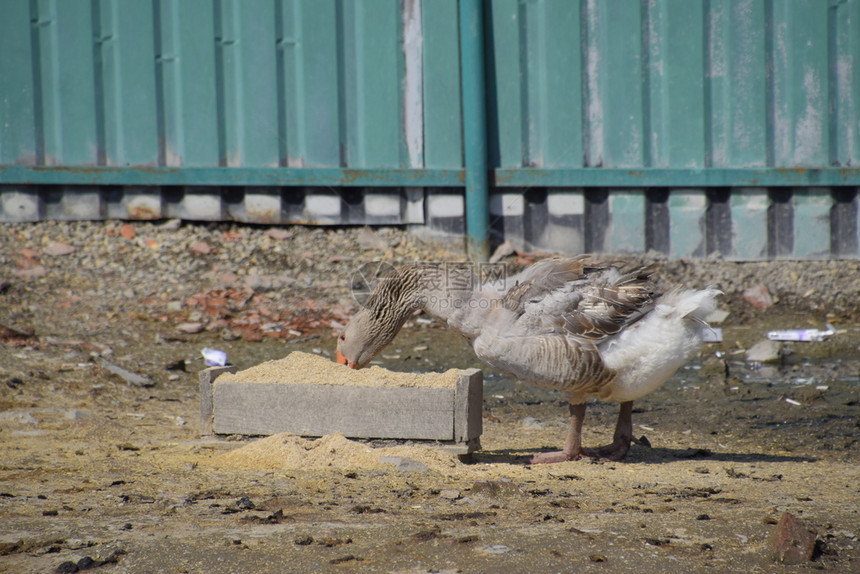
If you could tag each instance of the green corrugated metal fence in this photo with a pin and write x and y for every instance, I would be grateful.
(690, 127)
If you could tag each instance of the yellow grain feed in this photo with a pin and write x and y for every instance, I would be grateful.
(299, 368)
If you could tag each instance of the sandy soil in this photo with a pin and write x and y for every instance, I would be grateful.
(93, 467)
(103, 474)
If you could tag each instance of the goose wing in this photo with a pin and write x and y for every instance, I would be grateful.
(579, 297)
(556, 313)
(541, 279)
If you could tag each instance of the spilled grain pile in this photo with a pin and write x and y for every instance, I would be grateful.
(286, 451)
(307, 369)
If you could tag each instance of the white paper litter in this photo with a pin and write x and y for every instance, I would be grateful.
(801, 334)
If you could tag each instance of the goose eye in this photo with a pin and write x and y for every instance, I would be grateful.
(342, 338)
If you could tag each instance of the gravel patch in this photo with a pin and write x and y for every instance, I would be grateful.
(171, 269)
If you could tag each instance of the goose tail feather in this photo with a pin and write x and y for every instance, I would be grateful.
(691, 303)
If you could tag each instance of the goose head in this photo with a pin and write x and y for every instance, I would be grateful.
(363, 338)
(380, 319)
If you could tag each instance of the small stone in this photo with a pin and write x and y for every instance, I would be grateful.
(14, 382)
(56, 248)
(177, 365)
(764, 352)
(279, 234)
(759, 297)
(128, 376)
(29, 254)
(126, 230)
(793, 542)
(190, 328)
(533, 423)
(217, 325)
(245, 503)
(31, 273)
(499, 549)
(403, 464)
(229, 335)
(449, 493)
(18, 417)
(171, 225)
(201, 248)
(67, 567)
(332, 542)
(111, 556)
(228, 278)
(369, 239)
(76, 415)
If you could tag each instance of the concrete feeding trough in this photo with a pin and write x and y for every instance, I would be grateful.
(311, 396)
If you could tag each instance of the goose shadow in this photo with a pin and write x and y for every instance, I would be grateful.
(640, 455)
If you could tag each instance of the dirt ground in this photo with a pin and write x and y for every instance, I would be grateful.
(100, 473)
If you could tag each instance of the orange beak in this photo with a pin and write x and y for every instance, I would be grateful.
(343, 360)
